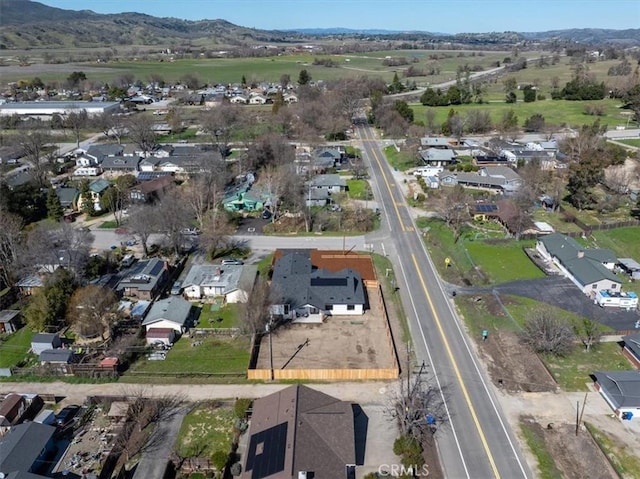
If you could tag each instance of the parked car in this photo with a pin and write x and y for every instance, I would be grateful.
(191, 231)
(176, 289)
(229, 261)
(64, 417)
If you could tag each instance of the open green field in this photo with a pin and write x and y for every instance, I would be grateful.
(556, 220)
(206, 429)
(15, 348)
(400, 160)
(476, 262)
(555, 112)
(214, 356)
(359, 189)
(625, 242)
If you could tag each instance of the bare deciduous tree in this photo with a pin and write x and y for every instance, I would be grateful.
(76, 121)
(546, 333)
(255, 313)
(112, 126)
(142, 220)
(141, 132)
(10, 245)
(455, 210)
(91, 311)
(220, 123)
(32, 142)
(172, 216)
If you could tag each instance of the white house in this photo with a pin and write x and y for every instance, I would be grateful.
(88, 171)
(590, 269)
(257, 100)
(233, 282)
(239, 100)
(303, 293)
(172, 312)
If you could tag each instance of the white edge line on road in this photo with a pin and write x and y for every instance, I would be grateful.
(463, 335)
(433, 367)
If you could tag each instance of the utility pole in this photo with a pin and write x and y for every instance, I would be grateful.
(409, 369)
(584, 404)
(270, 351)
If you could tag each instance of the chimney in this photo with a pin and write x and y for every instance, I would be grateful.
(580, 254)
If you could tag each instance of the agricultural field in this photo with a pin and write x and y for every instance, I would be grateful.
(555, 112)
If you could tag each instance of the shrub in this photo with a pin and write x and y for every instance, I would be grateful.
(241, 407)
(219, 460)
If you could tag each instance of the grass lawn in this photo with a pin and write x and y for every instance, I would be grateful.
(359, 189)
(108, 225)
(264, 265)
(572, 372)
(592, 217)
(386, 277)
(210, 318)
(503, 261)
(215, 356)
(556, 220)
(15, 348)
(547, 468)
(625, 242)
(476, 262)
(400, 160)
(631, 142)
(555, 112)
(623, 459)
(205, 430)
(188, 134)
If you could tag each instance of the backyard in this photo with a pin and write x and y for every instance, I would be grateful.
(208, 428)
(214, 316)
(15, 347)
(359, 189)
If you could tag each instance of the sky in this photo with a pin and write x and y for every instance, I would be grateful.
(452, 16)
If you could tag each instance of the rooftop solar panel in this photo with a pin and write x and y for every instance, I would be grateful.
(267, 450)
(329, 282)
(156, 268)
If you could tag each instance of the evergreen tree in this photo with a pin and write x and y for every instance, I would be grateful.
(87, 199)
(304, 78)
(54, 207)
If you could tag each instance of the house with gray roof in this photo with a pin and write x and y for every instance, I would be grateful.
(631, 348)
(56, 356)
(330, 183)
(27, 447)
(301, 430)
(590, 269)
(629, 266)
(436, 142)
(438, 157)
(496, 178)
(621, 391)
(68, 197)
(207, 281)
(144, 280)
(98, 151)
(10, 321)
(172, 312)
(304, 293)
(127, 164)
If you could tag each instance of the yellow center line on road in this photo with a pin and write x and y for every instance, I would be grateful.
(456, 370)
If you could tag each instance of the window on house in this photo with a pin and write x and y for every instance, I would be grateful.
(328, 307)
(594, 286)
(313, 310)
(286, 309)
(614, 285)
(351, 307)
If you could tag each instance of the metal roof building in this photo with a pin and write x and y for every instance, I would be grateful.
(50, 108)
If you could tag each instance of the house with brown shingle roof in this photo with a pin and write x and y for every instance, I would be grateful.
(300, 432)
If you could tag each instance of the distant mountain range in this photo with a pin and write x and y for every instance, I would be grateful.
(56, 28)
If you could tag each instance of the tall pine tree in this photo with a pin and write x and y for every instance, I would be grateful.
(54, 207)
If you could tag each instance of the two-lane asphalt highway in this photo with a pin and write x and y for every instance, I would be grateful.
(477, 442)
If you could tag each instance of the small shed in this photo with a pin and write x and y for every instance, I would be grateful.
(166, 336)
(11, 409)
(110, 364)
(10, 321)
(43, 341)
(629, 266)
(56, 356)
(118, 410)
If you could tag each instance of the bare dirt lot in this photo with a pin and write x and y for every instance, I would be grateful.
(574, 456)
(341, 342)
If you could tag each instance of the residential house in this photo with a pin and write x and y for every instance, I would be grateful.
(166, 336)
(27, 448)
(621, 391)
(247, 198)
(88, 171)
(124, 164)
(11, 410)
(330, 183)
(631, 348)
(290, 98)
(150, 163)
(438, 157)
(239, 100)
(9, 155)
(233, 282)
(257, 100)
(172, 312)
(29, 284)
(317, 197)
(97, 188)
(437, 142)
(10, 321)
(43, 341)
(68, 197)
(335, 155)
(86, 160)
(144, 280)
(300, 432)
(629, 266)
(150, 191)
(100, 150)
(588, 268)
(495, 178)
(302, 292)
